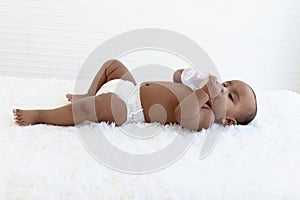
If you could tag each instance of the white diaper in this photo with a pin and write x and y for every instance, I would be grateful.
(130, 94)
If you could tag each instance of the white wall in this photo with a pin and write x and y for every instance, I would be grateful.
(256, 41)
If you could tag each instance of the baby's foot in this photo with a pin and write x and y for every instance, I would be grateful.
(25, 117)
(72, 97)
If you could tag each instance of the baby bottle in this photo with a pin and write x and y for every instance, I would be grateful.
(192, 78)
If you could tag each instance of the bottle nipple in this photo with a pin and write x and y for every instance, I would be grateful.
(193, 78)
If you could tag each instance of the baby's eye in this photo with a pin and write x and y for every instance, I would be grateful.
(230, 96)
(225, 84)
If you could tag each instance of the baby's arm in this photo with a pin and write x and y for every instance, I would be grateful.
(192, 112)
(177, 75)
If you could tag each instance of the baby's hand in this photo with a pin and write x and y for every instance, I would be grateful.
(212, 87)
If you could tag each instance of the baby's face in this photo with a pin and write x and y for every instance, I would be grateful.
(237, 100)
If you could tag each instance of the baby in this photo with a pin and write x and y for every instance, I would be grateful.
(115, 97)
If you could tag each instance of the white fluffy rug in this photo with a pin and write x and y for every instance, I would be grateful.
(258, 161)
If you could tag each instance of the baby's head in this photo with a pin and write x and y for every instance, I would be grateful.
(236, 105)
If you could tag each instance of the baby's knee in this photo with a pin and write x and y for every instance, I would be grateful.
(111, 108)
(112, 63)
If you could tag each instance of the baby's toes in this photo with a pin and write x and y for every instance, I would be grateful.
(17, 112)
(69, 96)
(19, 122)
(17, 118)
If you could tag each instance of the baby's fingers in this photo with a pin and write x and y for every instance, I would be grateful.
(212, 78)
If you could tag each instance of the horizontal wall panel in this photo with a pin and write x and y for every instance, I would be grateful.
(256, 41)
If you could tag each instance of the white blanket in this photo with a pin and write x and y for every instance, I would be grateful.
(258, 161)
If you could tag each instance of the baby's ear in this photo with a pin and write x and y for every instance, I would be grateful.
(229, 121)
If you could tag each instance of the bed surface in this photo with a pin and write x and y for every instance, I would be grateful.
(258, 161)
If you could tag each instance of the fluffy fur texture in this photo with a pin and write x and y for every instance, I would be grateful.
(258, 161)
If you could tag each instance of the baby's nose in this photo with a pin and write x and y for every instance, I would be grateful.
(223, 89)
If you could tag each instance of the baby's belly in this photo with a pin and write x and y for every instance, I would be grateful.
(159, 100)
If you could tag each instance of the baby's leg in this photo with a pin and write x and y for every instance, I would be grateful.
(105, 107)
(112, 69)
